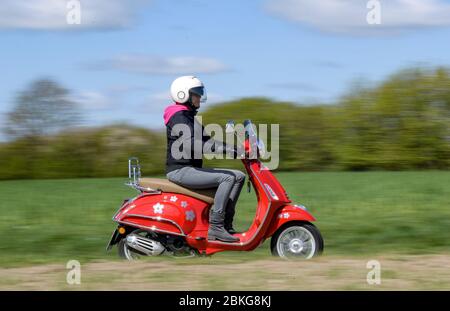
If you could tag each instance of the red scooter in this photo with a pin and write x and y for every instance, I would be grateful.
(166, 218)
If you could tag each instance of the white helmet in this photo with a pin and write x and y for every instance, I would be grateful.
(182, 86)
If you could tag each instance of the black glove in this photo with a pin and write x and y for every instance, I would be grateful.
(235, 153)
(232, 151)
(226, 150)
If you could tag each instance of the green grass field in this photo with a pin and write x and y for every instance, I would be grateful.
(46, 221)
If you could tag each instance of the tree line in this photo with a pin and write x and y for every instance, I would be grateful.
(401, 123)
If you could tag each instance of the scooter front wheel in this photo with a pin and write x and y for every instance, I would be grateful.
(297, 240)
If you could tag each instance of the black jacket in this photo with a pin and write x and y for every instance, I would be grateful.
(190, 156)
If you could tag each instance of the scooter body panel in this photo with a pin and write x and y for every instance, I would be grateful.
(271, 197)
(170, 213)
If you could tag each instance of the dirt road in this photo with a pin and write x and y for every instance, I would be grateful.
(398, 272)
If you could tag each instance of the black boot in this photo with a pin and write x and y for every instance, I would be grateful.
(216, 229)
(228, 223)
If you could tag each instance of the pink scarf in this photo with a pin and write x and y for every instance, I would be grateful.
(171, 110)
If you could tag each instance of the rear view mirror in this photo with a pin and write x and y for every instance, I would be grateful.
(229, 127)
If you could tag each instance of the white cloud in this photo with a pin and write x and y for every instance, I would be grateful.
(349, 16)
(149, 64)
(160, 100)
(298, 86)
(92, 100)
(52, 14)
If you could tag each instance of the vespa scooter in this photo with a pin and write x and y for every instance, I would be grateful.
(166, 218)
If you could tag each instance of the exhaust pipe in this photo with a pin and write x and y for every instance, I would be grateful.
(147, 246)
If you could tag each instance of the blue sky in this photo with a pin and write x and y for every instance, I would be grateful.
(119, 62)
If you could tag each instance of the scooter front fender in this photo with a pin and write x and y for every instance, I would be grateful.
(289, 213)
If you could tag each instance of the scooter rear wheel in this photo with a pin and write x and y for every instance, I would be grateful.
(297, 240)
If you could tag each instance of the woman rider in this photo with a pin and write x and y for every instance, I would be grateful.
(187, 93)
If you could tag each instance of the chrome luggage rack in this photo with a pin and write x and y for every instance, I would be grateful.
(134, 174)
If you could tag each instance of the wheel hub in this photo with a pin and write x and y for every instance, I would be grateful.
(296, 246)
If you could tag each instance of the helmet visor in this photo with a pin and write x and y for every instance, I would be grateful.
(200, 91)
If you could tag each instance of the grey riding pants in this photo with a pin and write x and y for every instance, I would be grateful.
(228, 183)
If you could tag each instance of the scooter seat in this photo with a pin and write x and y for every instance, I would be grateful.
(164, 185)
